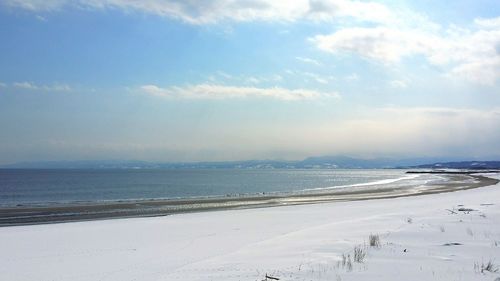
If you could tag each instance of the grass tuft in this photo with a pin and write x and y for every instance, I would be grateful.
(489, 266)
(374, 240)
(359, 254)
(349, 263)
(346, 262)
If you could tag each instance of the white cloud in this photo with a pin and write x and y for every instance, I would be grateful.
(224, 75)
(3, 85)
(308, 60)
(276, 78)
(381, 43)
(466, 53)
(37, 5)
(398, 84)
(404, 131)
(352, 77)
(25, 85)
(485, 72)
(322, 79)
(316, 77)
(246, 79)
(212, 91)
(34, 87)
(332, 9)
(488, 23)
(212, 11)
(58, 88)
(252, 80)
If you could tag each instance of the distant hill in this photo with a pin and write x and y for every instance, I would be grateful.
(84, 164)
(471, 165)
(322, 162)
(344, 162)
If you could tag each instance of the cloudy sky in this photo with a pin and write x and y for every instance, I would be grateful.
(189, 80)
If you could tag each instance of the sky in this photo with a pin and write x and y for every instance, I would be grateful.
(212, 80)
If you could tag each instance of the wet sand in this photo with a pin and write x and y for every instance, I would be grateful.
(81, 212)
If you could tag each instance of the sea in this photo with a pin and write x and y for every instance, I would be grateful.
(45, 187)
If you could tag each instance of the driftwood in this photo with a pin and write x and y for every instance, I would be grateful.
(451, 211)
(270, 278)
(466, 210)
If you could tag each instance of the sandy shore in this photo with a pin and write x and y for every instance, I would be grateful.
(81, 212)
(440, 236)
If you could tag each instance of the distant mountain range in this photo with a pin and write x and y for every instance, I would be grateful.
(471, 165)
(323, 162)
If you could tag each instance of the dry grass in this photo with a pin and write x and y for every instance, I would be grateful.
(349, 264)
(374, 240)
(346, 262)
(489, 266)
(359, 254)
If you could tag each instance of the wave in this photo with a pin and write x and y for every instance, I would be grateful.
(379, 182)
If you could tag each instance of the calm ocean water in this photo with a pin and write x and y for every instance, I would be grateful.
(45, 187)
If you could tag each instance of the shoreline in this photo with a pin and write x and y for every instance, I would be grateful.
(151, 208)
(446, 236)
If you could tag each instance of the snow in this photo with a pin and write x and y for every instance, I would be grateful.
(304, 242)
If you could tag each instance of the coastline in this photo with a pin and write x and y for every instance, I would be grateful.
(162, 207)
(440, 236)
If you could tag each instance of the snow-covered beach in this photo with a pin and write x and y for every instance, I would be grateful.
(442, 236)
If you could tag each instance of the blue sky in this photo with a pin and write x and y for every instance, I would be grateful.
(225, 80)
